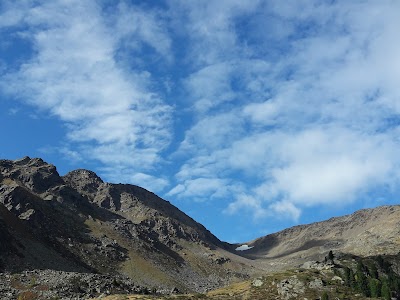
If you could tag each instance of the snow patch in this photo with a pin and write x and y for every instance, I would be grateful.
(243, 248)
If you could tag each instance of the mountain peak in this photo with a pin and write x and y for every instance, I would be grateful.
(83, 174)
(22, 161)
(106, 228)
(34, 173)
(83, 180)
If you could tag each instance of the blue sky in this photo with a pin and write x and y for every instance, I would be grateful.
(250, 116)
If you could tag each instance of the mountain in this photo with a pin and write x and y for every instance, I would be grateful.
(78, 223)
(366, 232)
(351, 257)
(76, 236)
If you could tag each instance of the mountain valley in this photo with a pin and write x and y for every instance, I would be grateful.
(76, 236)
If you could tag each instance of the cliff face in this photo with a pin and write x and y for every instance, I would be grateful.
(141, 207)
(80, 223)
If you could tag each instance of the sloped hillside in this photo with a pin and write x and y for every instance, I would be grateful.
(78, 223)
(366, 232)
(339, 276)
(78, 236)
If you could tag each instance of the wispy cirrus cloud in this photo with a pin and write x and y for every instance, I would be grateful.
(278, 107)
(78, 74)
(210, 27)
(316, 108)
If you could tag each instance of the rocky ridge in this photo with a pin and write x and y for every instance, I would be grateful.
(366, 232)
(78, 223)
(78, 226)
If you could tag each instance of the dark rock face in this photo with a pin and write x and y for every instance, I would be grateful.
(6, 245)
(35, 174)
(141, 207)
(78, 223)
(84, 181)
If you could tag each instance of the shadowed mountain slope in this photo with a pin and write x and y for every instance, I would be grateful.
(80, 223)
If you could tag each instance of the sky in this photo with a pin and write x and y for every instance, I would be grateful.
(250, 116)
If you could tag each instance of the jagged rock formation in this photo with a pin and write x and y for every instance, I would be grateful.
(141, 207)
(78, 223)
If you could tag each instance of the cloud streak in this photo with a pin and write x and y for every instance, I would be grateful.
(270, 108)
(112, 114)
(317, 110)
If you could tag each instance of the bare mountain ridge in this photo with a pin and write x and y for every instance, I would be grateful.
(366, 232)
(137, 204)
(79, 223)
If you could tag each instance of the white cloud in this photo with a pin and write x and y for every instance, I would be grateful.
(247, 203)
(219, 85)
(74, 156)
(140, 26)
(252, 154)
(263, 113)
(13, 111)
(210, 27)
(319, 119)
(123, 174)
(285, 209)
(180, 188)
(314, 166)
(213, 132)
(211, 86)
(292, 104)
(201, 189)
(334, 165)
(150, 182)
(12, 13)
(112, 114)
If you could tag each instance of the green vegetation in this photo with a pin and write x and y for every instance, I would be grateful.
(385, 290)
(375, 287)
(362, 279)
(374, 277)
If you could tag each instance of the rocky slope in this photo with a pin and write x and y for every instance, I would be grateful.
(366, 232)
(339, 277)
(69, 236)
(78, 223)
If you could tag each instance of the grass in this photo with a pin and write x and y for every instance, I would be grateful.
(240, 289)
(267, 291)
(136, 266)
(8, 181)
